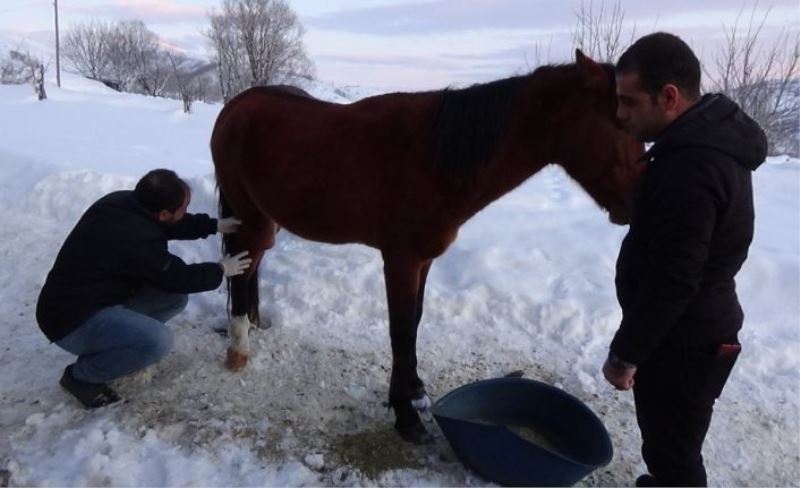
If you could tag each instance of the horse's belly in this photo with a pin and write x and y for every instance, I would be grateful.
(331, 223)
(339, 236)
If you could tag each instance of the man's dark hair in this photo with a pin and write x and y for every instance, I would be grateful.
(661, 59)
(161, 189)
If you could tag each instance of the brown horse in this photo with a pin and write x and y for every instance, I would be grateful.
(402, 172)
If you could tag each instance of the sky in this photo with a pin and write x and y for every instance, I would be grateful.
(421, 44)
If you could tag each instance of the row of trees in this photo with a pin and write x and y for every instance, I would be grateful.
(127, 56)
(124, 55)
(254, 43)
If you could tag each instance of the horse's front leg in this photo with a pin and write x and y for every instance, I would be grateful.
(424, 402)
(406, 390)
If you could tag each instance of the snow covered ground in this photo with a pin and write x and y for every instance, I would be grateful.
(528, 285)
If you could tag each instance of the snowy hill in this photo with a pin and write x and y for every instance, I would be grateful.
(528, 285)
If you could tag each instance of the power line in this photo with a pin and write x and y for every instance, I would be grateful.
(58, 50)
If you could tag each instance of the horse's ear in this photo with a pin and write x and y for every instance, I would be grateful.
(594, 73)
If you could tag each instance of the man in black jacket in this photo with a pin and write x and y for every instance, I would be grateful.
(691, 227)
(114, 283)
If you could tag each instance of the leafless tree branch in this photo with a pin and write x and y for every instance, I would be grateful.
(600, 31)
(762, 78)
(22, 67)
(257, 43)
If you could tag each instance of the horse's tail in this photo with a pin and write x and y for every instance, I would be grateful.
(224, 210)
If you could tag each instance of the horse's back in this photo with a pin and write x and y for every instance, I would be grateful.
(280, 122)
(326, 171)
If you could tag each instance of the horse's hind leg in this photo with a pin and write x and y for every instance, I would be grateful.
(255, 235)
(406, 390)
(423, 278)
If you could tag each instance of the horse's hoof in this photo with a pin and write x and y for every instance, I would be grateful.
(421, 404)
(235, 360)
(415, 434)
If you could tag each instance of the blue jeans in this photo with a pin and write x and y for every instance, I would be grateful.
(123, 339)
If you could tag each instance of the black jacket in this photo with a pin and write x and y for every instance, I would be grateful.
(691, 227)
(117, 247)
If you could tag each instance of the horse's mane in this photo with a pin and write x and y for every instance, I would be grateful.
(469, 123)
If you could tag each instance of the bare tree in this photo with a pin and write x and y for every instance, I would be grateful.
(155, 73)
(11, 72)
(201, 86)
(600, 31)
(22, 67)
(86, 46)
(189, 83)
(541, 54)
(761, 78)
(257, 43)
(132, 48)
(228, 56)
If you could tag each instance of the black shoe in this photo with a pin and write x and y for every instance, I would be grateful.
(91, 395)
(647, 480)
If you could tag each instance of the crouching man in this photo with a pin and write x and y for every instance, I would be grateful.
(114, 283)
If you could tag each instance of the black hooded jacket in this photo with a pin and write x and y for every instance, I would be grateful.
(690, 230)
(117, 247)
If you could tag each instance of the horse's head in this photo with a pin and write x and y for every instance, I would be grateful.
(598, 152)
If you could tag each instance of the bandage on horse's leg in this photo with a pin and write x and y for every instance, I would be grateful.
(239, 348)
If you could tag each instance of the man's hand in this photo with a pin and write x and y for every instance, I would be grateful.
(619, 376)
(235, 265)
(228, 225)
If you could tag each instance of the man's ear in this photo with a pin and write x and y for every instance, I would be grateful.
(592, 71)
(162, 216)
(670, 96)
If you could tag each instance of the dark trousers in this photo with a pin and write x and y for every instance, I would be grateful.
(674, 392)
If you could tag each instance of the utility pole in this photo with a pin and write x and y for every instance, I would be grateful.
(58, 53)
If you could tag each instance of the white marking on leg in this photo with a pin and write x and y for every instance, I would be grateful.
(237, 331)
(421, 404)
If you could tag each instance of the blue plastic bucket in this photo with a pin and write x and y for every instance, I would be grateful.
(521, 432)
